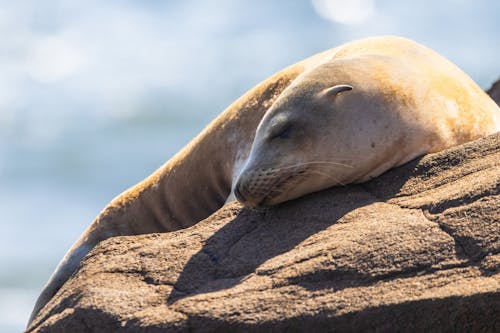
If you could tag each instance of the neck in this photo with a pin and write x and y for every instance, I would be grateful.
(197, 181)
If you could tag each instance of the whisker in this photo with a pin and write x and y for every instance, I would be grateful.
(285, 185)
(312, 171)
(278, 187)
(273, 188)
(315, 162)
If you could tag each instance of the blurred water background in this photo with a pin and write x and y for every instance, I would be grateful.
(95, 95)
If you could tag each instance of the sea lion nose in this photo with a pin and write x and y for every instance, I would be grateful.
(238, 194)
(243, 196)
(243, 191)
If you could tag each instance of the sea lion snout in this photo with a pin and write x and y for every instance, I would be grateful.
(239, 195)
(249, 188)
(259, 187)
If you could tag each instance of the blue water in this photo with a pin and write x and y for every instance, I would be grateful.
(50, 194)
(95, 95)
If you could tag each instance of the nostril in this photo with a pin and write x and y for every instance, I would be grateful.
(238, 194)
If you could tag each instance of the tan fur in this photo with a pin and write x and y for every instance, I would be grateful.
(198, 180)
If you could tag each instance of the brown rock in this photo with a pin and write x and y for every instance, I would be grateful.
(417, 249)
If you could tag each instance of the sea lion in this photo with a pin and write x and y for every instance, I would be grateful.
(365, 106)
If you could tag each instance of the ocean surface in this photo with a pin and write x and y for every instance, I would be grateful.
(50, 193)
(94, 96)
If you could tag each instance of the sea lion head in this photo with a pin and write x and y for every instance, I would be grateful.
(330, 127)
(296, 149)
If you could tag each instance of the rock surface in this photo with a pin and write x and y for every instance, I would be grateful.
(417, 249)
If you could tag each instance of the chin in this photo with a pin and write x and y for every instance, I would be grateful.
(281, 198)
(267, 202)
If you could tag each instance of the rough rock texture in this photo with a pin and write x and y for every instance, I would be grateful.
(417, 249)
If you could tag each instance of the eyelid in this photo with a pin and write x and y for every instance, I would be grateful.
(279, 129)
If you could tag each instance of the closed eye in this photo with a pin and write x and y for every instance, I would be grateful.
(283, 133)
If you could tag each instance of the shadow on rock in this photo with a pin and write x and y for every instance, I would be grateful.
(451, 314)
(255, 236)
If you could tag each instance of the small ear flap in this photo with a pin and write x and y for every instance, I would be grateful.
(335, 90)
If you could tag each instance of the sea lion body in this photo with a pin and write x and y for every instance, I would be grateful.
(405, 101)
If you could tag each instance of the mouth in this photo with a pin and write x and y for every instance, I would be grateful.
(238, 194)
